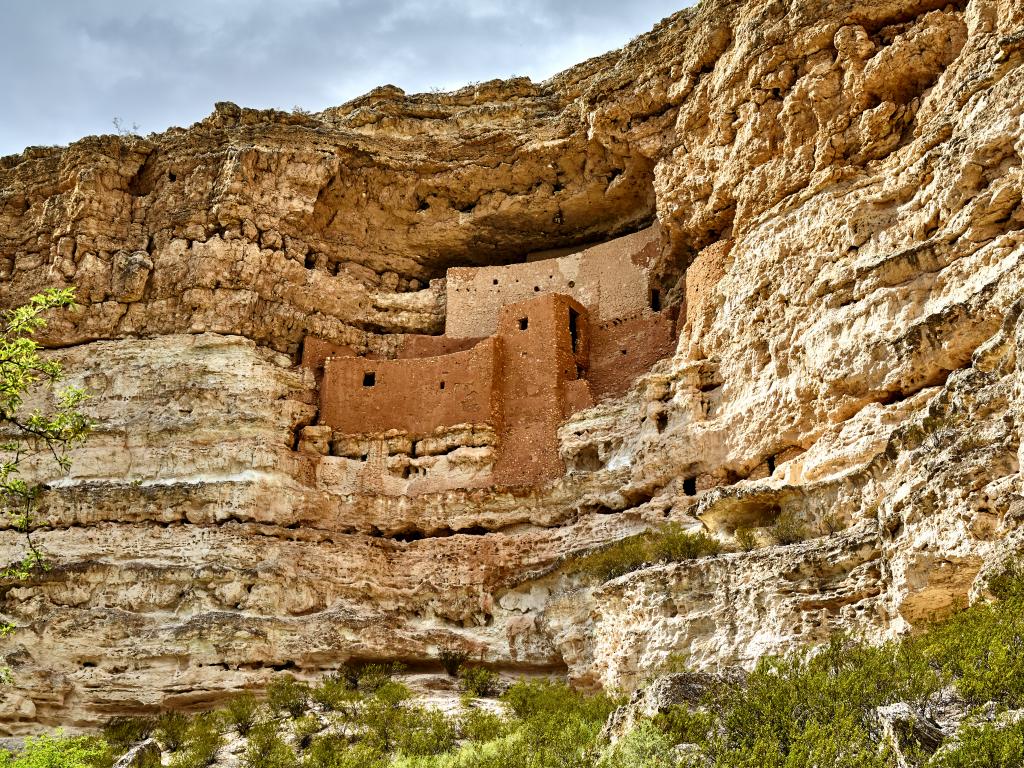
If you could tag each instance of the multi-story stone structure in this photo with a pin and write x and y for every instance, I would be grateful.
(525, 346)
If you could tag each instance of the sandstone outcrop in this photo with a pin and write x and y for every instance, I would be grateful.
(838, 188)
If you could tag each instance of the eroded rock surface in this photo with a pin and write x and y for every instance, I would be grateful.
(838, 187)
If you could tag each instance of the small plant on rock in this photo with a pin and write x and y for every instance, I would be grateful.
(746, 539)
(789, 529)
(203, 741)
(452, 659)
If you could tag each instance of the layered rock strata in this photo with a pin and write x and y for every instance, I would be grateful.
(838, 187)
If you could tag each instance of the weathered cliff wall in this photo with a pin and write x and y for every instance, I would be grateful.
(852, 360)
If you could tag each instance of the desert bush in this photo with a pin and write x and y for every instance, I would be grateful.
(304, 729)
(670, 544)
(479, 725)
(423, 732)
(452, 659)
(335, 752)
(746, 539)
(983, 746)
(242, 712)
(643, 747)
(56, 751)
(266, 749)
(372, 677)
(674, 544)
(335, 693)
(202, 742)
(121, 733)
(789, 529)
(286, 695)
(478, 681)
(171, 730)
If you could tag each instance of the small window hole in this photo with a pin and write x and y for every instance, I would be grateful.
(441, 385)
(369, 379)
(656, 300)
(524, 323)
(690, 486)
(171, 176)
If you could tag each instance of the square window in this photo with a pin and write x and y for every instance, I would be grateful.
(369, 379)
(524, 323)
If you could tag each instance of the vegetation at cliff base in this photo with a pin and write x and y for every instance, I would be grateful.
(806, 710)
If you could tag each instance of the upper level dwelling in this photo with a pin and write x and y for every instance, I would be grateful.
(525, 346)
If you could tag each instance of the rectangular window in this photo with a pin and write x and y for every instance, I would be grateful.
(524, 323)
(574, 331)
(369, 379)
(656, 300)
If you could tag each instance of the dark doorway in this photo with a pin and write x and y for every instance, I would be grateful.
(574, 329)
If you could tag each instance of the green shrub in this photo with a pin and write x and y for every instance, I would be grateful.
(423, 732)
(478, 681)
(335, 693)
(480, 725)
(171, 730)
(334, 752)
(266, 749)
(643, 747)
(746, 539)
(374, 676)
(305, 728)
(683, 725)
(242, 711)
(985, 746)
(56, 751)
(202, 742)
(121, 733)
(670, 544)
(789, 529)
(286, 695)
(452, 659)
(982, 649)
(558, 726)
(674, 544)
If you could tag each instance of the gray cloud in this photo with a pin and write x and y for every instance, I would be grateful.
(73, 65)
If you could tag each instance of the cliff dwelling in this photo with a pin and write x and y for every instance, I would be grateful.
(525, 346)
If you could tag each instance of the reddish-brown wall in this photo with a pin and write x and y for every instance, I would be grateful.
(538, 365)
(407, 394)
(315, 352)
(610, 279)
(622, 350)
(702, 276)
(417, 345)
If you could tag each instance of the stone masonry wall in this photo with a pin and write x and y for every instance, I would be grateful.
(610, 279)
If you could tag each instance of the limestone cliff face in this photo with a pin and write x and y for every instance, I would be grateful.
(839, 190)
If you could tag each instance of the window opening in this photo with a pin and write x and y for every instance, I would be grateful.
(656, 300)
(369, 379)
(574, 331)
(524, 323)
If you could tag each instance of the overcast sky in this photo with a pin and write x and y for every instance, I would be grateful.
(72, 66)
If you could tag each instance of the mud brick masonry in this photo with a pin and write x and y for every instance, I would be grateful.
(525, 346)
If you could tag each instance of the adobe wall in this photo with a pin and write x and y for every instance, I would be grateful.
(538, 382)
(701, 278)
(622, 350)
(411, 395)
(610, 279)
(315, 352)
(417, 345)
